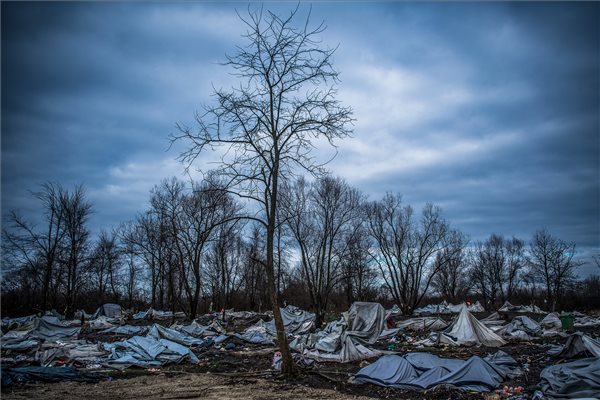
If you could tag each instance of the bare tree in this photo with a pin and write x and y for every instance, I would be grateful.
(452, 280)
(551, 259)
(267, 125)
(359, 275)
(319, 217)
(515, 263)
(76, 211)
(405, 249)
(105, 263)
(38, 250)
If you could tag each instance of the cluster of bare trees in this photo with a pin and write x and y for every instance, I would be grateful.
(193, 250)
(50, 260)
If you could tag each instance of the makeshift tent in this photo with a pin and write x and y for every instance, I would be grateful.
(295, 321)
(572, 380)
(346, 339)
(423, 324)
(507, 307)
(468, 331)
(521, 327)
(108, 310)
(256, 334)
(551, 321)
(577, 344)
(493, 321)
(51, 329)
(421, 371)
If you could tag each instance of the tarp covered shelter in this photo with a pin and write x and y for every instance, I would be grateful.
(295, 321)
(109, 310)
(422, 371)
(572, 380)
(469, 331)
(577, 344)
(345, 340)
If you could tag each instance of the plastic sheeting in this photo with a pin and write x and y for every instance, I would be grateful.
(448, 308)
(576, 344)
(469, 331)
(571, 380)
(422, 371)
(345, 340)
(295, 321)
(51, 329)
(108, 310)
(521, 328)
(126, 330)
(507, 307)
(551, 321)
(46, 374)
(423, 324)
(146, 352)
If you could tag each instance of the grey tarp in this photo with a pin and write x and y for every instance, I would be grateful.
(551, 321)
(361, 326)
(576, 344)
(295, 321)
(197, 330)
(108, 310)
(256, 334)
(50, 328)
(468, 331)
(160, 332)
(447, 308)
(423, 371)
(507, 307)
(571, 380)
(521, 327)
(146, 352)
(126, 330)
(423, 324)
(46, 374)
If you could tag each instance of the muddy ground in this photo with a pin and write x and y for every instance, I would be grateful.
(244, 373)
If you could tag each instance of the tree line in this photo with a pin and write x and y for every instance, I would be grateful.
(191, 251)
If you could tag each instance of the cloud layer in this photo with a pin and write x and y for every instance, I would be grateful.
(490, 110)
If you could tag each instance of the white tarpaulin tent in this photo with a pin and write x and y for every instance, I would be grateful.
(469, 331)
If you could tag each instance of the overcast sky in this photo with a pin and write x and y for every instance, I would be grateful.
(490, 110)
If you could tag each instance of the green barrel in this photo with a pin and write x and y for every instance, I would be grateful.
(567, 321)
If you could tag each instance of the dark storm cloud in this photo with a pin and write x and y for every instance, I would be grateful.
(488, 109)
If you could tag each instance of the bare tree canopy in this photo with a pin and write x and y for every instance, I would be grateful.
(405, 248)
(551, 260)
(267, 126)
(320, 217)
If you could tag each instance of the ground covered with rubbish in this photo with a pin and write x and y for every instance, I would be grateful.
(246, 374)
(238, 369)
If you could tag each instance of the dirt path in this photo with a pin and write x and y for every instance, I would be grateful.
(185, 386)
